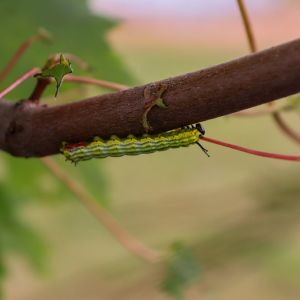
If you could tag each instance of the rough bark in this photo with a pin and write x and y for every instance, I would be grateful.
(30, 130)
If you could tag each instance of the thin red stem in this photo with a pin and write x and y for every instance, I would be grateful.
(253, 47)
(39, 89)
(285, 128)
(15, 58)
(42, 35)
(93, 81)
(252, 151)
(247, 25)
(125, 238)
(21, 79)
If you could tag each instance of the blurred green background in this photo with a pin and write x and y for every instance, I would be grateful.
(238, 214)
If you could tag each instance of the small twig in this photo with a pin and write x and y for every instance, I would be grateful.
(248, 29)
(55, 59)
(42, 83)
(263, 111)
(21, 79)
(252, 44)
(285, 128)
(39, 89)
(247, 26)
(252, 151)
(42, 35)
(126, 240)
(102, 83)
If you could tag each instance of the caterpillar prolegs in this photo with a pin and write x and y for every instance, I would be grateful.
(132, 145)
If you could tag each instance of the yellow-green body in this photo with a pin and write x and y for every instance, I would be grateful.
(131, 145)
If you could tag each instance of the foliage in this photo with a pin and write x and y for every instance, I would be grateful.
(74, 30)
(182, 270)
(57, 71)
(15, 235)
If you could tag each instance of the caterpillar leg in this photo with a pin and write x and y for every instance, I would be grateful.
(203, 149)
(153, 97)
(201, 129)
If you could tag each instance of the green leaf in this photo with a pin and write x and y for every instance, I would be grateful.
(182, 270)
(2, 270)
(15, 235)
(74, 29)
(2, 273)
(92, 175)
(57, 71)
(24, 174)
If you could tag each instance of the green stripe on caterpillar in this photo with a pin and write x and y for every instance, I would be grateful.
(132, 145)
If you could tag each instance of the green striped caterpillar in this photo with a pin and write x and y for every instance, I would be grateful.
(132, 145)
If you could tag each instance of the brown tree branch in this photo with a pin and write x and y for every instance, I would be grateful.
(125, 238)
(31, 130)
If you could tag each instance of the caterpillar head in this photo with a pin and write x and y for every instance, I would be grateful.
(200, 128)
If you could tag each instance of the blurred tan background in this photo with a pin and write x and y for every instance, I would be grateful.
(240, 214)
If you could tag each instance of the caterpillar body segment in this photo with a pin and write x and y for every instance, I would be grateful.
(115, 146)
